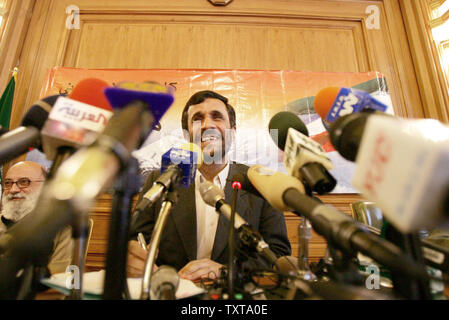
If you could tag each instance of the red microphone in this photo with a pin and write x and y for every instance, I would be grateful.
(76, 120)
(324, 101)
(91, 91)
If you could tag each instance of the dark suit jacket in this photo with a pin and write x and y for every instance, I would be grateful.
(178, 243)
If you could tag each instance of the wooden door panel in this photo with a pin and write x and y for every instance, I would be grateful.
(224, 46)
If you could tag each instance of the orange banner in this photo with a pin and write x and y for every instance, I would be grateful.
(256, 96)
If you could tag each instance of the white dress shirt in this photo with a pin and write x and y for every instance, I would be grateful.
(206, 216)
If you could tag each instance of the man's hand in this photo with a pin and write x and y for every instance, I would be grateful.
(197, 269)
(136, 259)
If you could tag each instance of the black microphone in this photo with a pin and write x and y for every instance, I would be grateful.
(164, 283)
(178, 167)
(3, 130)
(346, 134)
(281, 122)
(304, 158)
(19, 141)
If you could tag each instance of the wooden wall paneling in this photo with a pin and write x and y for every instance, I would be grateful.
(413, 105)
(14, 32)
(34, 54)
(434, 93)
(395, 65)
(233, 45)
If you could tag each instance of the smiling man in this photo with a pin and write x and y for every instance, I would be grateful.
(195, 237)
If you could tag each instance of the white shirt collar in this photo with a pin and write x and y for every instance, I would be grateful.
(219, 179)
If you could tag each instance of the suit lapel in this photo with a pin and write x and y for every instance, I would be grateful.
(184, 216)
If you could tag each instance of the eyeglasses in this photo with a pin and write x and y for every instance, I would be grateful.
(21, 183)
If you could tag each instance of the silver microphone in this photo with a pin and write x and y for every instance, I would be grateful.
(164, 283)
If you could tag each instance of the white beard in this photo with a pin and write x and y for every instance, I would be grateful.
(17, 209)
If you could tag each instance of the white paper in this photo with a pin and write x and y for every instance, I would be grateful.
(93, 285)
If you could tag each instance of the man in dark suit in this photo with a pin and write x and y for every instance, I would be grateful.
(195, 238)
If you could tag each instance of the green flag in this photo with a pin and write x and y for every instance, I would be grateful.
(6, 106)
(6, 103)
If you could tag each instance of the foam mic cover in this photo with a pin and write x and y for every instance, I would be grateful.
(38, 113)
(76, 120)
(272, 185)
(3, 130)
(164, 283)
(91, 91)
(346, 133)
(19, 141)
(158, 98)
(282, 121)
(333, 102)
(324, 101)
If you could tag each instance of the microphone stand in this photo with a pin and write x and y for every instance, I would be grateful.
(304, 235)
(344, 268)
(62, 154)
(80, 231)
(235, 186)
(407, 287)
(125, 188)
(170, 199)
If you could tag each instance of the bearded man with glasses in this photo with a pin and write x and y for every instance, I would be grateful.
(21, 188)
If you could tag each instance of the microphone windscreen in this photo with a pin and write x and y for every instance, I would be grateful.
(272, 185)
(91, 91)
(346, 134)
(282, 121)
(324, 101)
(37, 115)
(157, 97)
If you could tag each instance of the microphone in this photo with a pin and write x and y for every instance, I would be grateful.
(281, 122)
(164, 283)
(77, 120)
(3, 130)
(19, 141)
(336, 227)
(402, 165)
(81, 178)
(304, 158)
(150, 93)
(178, 167)
(214, 196)
(334, 102)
